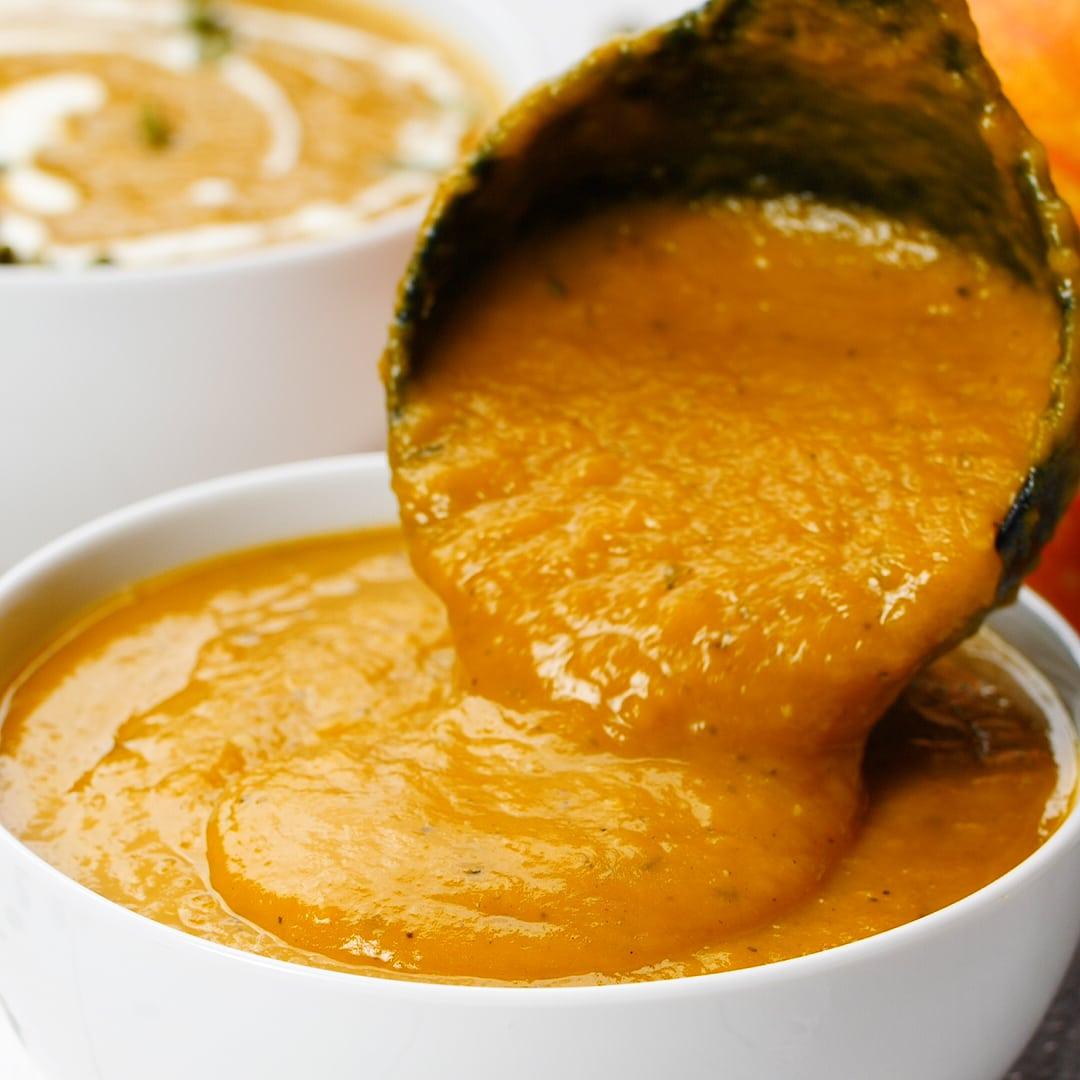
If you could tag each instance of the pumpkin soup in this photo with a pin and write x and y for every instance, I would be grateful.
(272, 751)
(700, 488)
(151, 131)
(720, 475)
(715, 480)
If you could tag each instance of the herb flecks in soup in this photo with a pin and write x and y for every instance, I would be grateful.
(149, 131)
(271, 752)
(723, 474)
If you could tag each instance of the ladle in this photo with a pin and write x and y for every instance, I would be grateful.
(882, 104)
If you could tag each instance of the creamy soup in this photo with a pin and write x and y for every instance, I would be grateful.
(723, 474)
(698, 489)
(152, 131)
(711, 482)
(273, 751)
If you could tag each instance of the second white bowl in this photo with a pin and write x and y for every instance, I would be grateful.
(122, 383)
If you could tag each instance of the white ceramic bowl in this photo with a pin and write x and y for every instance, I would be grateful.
(122, 383)
(99, 992)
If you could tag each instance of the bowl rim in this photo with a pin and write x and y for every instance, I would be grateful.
(525, 55)
(275, 480)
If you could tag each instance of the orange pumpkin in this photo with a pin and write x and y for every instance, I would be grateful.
(1035, 46)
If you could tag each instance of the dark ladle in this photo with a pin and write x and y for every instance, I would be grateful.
(886, 104)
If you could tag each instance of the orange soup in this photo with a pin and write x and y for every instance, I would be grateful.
(153, 131)
(721, 474)
(696, 490)
(711, 482)
(272, 751)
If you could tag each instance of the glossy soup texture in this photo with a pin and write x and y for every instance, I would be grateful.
(711, 482)
(723, 474)
(154, 131)
(273, 751)
(700, 488)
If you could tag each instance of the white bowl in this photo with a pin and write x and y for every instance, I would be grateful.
(122, 383)
(100, 992)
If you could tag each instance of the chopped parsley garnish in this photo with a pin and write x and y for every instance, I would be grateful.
(155, 128)
(210, 27)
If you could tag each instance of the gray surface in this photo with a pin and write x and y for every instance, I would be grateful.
(1054, 1053)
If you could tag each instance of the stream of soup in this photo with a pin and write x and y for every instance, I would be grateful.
(720, 475)
(711, 482)
(154, 131)
(697, 490)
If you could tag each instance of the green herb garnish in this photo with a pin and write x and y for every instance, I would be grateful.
(210, 27)
(155, 128)
(8, 257)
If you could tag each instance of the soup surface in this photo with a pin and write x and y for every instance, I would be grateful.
(721, 474)
(272, 751)
(150, 131)
(700, 489)
(713, 481)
